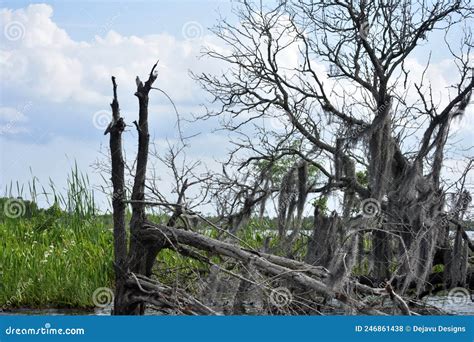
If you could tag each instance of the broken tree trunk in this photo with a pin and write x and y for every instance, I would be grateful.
(115, 129)
(323, 243)
(138, 253)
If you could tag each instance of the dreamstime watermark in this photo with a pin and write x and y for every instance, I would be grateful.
(14, 31)
(19, 292)
(101, 119)
(19, 116)
(14, 208)
(107, 26)
(459, 296)
(118, 195)
(192, 30)
(8, 127)
(356, 131)
(103, 297)
(280, 297)
(288, 199)
(46, 330)
(370, 207)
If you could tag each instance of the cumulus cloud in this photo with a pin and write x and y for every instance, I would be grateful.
(41, 63)
(46, 62)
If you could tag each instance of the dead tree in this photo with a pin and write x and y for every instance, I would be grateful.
(356, 122)
(352, 125)
(115, 129)
(134, 289)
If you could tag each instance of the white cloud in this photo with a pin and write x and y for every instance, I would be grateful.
(43, 63)
(47, 63)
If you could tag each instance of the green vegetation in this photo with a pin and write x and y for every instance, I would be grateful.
(362, 177)
(53, 260)
(53, 257)
(438, 268)
(322, 204)
(276, 169)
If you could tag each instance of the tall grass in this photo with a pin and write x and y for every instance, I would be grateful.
(77, 199)
(43, 262)
(56, 256)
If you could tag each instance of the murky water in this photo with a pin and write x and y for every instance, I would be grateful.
(453, 306)
(448, 304)
(55, 312)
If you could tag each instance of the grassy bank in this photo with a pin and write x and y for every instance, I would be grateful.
(53, 259)
(56, 256)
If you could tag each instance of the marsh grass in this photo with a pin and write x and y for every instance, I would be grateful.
(47, 262)
(54, 257)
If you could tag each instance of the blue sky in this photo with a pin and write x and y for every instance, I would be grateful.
(56, 67)
(84, 19)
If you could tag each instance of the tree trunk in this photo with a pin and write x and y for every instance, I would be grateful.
(115, 129)
(138, 252)
(323, 243)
